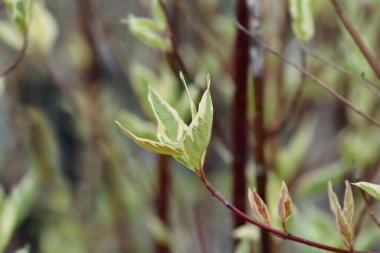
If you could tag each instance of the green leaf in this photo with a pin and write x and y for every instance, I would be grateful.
(25, 249)
(148, 32)
(371, 189)
(142, 128)
(198, 135)
(302, 19)
(192, 105)
(16, 206)
(171, 127)
(151, 145)
(159, 14)
(20, 12)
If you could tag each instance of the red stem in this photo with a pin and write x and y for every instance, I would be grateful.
(17, 60)
(240, 121)
(274, 231)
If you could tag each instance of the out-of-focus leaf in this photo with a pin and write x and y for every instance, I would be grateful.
(148, 32)
(10, 35)
(314, 181)
(20, 11)
(348, 204)
(142, 78)
(151, 145)
(258, 207)
(291, 156)
(140, 127)
(171, 127)
(244, 246)
(15, 207)
(247, 231)
(159, 14)
(25, 249)
(285, 206)
(371, 189)
(352, 144)
(43, 29)
(302, 19)
(198, 135)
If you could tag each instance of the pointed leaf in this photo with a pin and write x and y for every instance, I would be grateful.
(345, 227)
(159, 14)
(302, 19)
(285, 207)
(151, 145)
(171, 127)
(333, 199)
(198, 135)
(192, 105)
(371, 189)
(258, 207)
(148, 32)
(348, 205)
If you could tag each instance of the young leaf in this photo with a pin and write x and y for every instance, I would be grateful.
(171, 127)
(198, 135)
(285, 207)
(348, 205)
(192, 105)
(345, 227)
(371, 189)
(151, 145)
(333, 199)
(302, 19)
(258, 207)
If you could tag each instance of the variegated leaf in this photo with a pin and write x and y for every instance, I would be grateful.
(371, 189)
(151, 145)
(192, 105)
(345, 227)
(171, 127)
(333, 199)
(198, 135)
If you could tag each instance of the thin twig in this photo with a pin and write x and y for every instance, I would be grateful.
(272, 230)
(318, 81)
(368, 84)
(293, 105)
(114, 46)
(175, 52)
(356, 37)
(18, 58)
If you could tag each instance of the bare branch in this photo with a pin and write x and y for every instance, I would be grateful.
(318, 81)
(356, 37)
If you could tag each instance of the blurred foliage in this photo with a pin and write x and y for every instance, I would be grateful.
(71, 182)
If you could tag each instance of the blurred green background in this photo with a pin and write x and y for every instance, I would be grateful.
(71, 182)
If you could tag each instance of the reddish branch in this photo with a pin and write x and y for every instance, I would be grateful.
(240, 121)
(356, 37)
(162, 198)
(18, 58)
(269, 229)
(318, 81)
